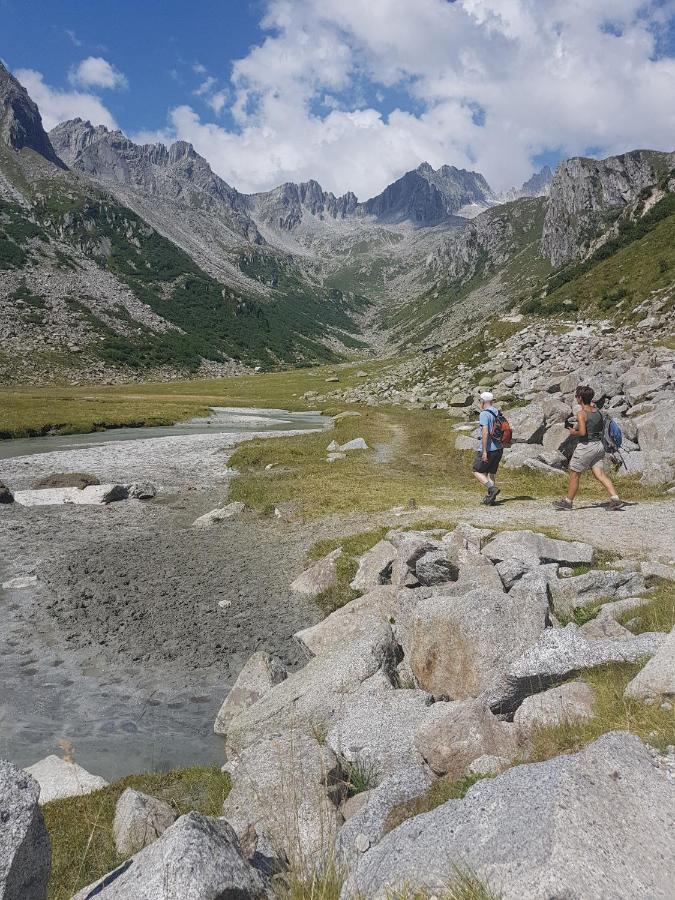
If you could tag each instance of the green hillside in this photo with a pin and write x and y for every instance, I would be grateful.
(621, 274)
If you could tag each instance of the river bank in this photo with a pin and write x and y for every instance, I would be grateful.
(136, 623)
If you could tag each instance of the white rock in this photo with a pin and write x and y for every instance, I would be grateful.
(355, 444)
(58, 778)
(319, 576)
(20, 582)
(219, 515)
(657, 679)
(92, 495)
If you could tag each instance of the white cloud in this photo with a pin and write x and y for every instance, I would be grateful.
(58, 106)
(564, 74)
(94, 71)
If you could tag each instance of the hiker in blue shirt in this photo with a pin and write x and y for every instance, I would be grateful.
(489, 452)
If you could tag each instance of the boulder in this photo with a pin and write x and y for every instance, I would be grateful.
(355, 804)
(280, 789)
(6, 496)
(373, 566)
(260, 673)
(467, 537)
(58, 778)
(556, 410)
(139, 820)
(510, 570)
(619, 607)
(599, 629)
(584, 590)
(570, 701)
(654, 435)
(460, 646)
(319, 576)
(462, 733)
(460, 399)
(197, 857)
(355, 444)
(143, 490)
(591, 825)
(219, 515)
(528, 423)
(411, 545)
(367, 827)
(377, 731)
(557, 437)
(79, 480)
(516, 456)
(435, 568)
(657, 679)
(641, 382)
(561, 653)
(353, 621)
(25, 854)
(534, 547)
(313, 696)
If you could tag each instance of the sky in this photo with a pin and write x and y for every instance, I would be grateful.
(354, 93)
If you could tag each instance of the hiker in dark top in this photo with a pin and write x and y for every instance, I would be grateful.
(589, 452)
(489, 451)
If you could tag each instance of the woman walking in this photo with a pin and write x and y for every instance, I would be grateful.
(589, 452)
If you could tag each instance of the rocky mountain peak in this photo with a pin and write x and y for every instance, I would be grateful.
(20, 120)
(428, 196)
(584, 190)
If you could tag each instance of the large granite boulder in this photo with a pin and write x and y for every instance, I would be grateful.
(373, 566)
(561, 653)
(657, 679)
(280, 792)
(528, 423)
(377, 730)
(367, 827)
(353, 621)
(25, 854)
(531, 546)
(579, 591)
(319, 576)
(566, 703)
(460, 646)
(197, 858)
(139, 820)
(586, 826)
(260, 673)
(59, 778)
(464, 731)
(313, 696)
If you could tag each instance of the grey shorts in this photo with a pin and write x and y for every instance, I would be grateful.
(587, 456)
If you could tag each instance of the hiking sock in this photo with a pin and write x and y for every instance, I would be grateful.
(614, 497)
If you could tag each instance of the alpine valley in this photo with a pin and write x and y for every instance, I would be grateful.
(123, 262)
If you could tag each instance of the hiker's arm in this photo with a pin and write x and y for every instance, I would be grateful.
(484, 436)
(580, 430)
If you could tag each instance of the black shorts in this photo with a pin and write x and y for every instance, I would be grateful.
(490, 466)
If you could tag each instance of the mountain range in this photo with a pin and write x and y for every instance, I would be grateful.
(121, 260)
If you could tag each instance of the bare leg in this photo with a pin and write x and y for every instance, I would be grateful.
(573, 485)
(604, 480)
(482, 478)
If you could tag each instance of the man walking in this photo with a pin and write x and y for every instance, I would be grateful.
(489, 452)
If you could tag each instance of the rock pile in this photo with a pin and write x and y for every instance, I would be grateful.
(533, 375)
(442, 668)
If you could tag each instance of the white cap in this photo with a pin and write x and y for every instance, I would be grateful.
(487, 397)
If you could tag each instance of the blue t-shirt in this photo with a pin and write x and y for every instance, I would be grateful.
(487, 417)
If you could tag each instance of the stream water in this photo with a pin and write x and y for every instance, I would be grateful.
(125, 716)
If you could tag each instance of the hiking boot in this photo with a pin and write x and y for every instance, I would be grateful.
(492, 495)
(562, 504)
(615, 505)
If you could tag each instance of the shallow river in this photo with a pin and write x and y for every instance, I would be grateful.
(129, 710)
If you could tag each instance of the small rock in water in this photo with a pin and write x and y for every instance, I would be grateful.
(21, 581)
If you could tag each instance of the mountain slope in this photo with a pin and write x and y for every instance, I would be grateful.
(90, 288)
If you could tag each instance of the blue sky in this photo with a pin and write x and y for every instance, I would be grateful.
(156, 45)
(352, 93)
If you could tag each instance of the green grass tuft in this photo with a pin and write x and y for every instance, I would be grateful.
(80, 828)
(657, 615)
